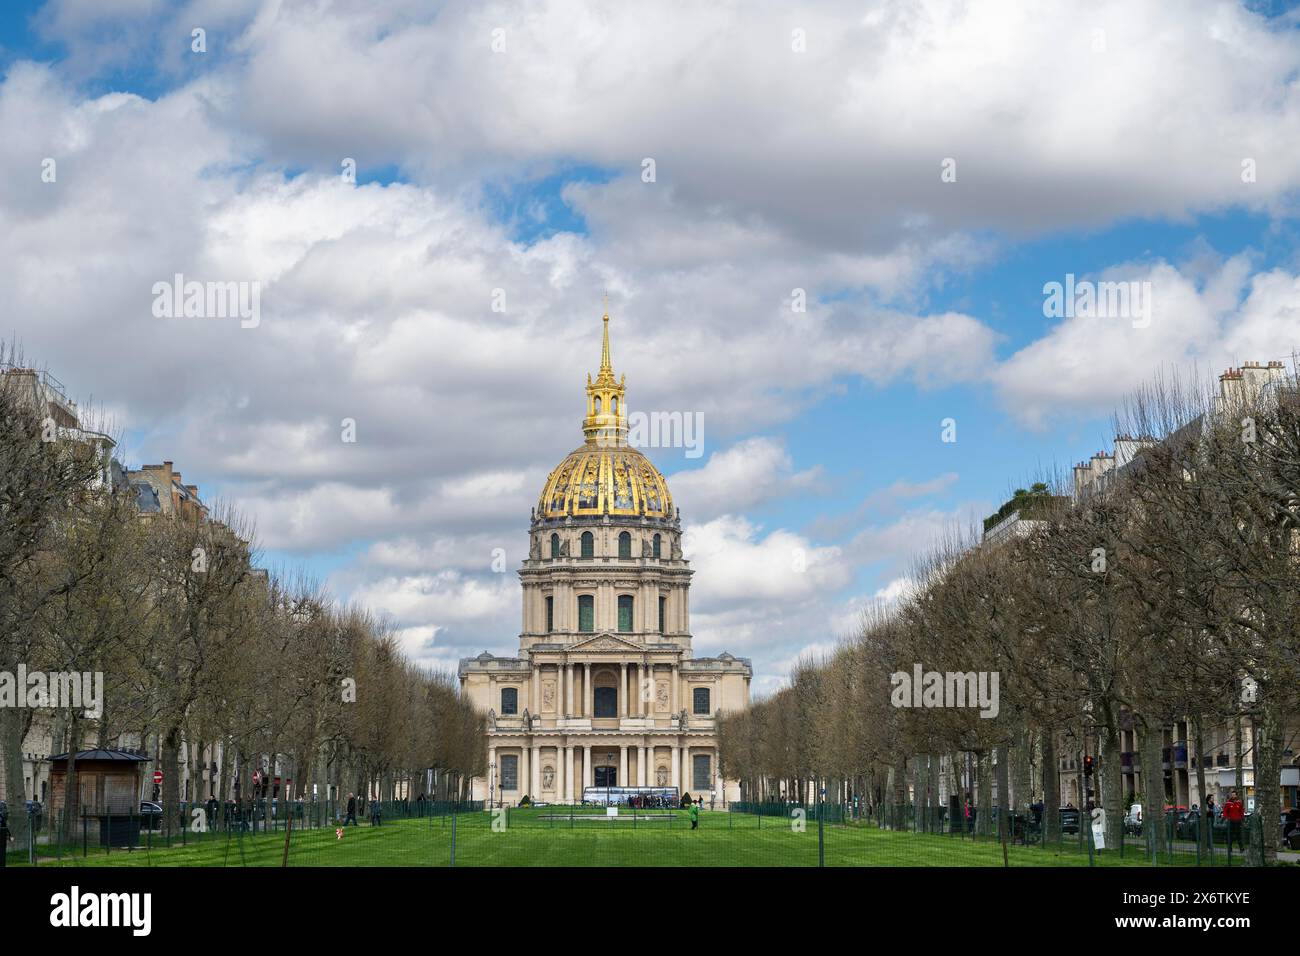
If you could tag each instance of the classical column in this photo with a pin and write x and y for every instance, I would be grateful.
(568, 774)
(536, 783)
(676, 768)
(622, 692)
(642, 686)
(523, 779)
(588, 772)
(686, 767)
(676, 676)
(588, 709)
(568, 689)
(536, 709)
(622, 765)
(643, 774)
(492, 774)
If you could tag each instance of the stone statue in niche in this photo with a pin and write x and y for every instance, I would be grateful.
(661, 697)
(564, 548)
(677, 550)
(548, 778)
(528, 720)
(548, 695)
(535, 549)
(492, 719)
(646, 550)
(661, 777)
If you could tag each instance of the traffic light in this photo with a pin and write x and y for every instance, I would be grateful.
(1087, 766)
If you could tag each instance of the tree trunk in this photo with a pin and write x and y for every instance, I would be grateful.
(1020, 770)
(171, 752)
(1153, 785)
(984, 800)
(11, 743)
(1111, 788)
(936, 800)
(1203, 829)
(1003, 771)
(1051, 790)
(1262, 829)
(73, 790)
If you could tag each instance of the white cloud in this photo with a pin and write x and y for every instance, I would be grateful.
(776, 170)
(1202, 317)
(741, 477)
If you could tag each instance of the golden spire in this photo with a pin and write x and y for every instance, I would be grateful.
(606, 421)
(604, 348)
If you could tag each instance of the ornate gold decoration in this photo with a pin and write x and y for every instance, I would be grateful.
(606, 476)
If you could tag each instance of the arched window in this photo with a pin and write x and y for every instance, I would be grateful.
(555, 545)
(588, 545)
(613, 406)
(509, 700)
(625, 612)
(656, 546)
(586, 613)
(597, 404)
(624, 545)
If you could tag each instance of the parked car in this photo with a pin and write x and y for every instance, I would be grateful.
(1069, 820)
(1133, 820)
(1291, 828)
(150, 815)
(1186, 823)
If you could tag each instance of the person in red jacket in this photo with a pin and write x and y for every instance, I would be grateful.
(1234, 813)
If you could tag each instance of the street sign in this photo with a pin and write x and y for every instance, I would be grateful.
(157, 777)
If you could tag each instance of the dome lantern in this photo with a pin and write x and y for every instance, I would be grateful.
(606, 421)
(606, 475)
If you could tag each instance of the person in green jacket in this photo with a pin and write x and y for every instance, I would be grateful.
(695, 816)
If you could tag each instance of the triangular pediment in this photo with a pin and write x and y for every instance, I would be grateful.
(606, 642)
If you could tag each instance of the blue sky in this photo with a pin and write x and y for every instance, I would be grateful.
(521, 170)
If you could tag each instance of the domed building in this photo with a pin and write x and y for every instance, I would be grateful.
(604, 692)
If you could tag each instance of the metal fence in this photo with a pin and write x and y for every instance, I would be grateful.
(425, 833)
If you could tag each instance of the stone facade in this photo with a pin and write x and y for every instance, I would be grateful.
(604, 691)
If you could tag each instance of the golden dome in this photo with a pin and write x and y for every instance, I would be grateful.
(606, 476)
(595, 480)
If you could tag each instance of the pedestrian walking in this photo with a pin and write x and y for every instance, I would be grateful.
(1234, 812)
(695, 815)
(352, 811)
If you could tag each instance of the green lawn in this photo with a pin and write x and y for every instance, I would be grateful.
(548, 837)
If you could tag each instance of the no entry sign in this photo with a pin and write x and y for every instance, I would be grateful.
(157, 777)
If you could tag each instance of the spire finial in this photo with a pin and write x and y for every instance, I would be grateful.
(605, 365)
(606, 421)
